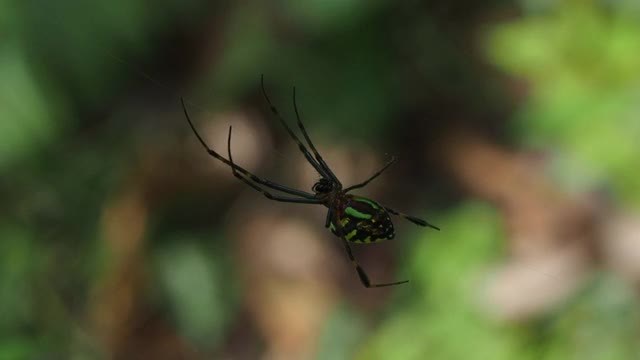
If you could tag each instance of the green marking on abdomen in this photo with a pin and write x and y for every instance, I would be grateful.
(343, 223)
(370, 202)
(351, 234)
(355, 213)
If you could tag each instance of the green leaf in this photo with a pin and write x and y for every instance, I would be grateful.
(26, 121)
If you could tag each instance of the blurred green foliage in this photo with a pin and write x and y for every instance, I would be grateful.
(581, 60)
(344, 330)
(186, 264)
(442, 320)
(357, 66)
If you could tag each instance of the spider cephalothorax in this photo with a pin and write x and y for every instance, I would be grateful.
(324, 187)
(352, 218)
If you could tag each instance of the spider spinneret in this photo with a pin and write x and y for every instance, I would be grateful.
(354, 219)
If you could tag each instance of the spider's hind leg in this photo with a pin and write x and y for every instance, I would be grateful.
(364, 279)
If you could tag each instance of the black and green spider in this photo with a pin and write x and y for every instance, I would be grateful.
(352, 218)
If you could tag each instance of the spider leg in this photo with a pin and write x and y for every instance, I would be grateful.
(240, 169)
(258, 188)
(364, 183)
(364, 279)
(319, 168)
(309, 142)
(413, 219)
(327, 221)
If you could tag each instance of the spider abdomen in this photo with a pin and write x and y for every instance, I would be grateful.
(363, 221)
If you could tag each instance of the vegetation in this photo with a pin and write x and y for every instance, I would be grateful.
(515, 124)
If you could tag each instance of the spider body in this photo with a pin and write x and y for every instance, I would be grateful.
(352, 218)
(363, 220)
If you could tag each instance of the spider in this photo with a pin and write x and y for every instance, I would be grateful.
(352, 218)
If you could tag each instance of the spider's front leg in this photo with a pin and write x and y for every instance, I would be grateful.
(268, 195)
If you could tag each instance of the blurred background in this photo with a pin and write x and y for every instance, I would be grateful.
(516, 127)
